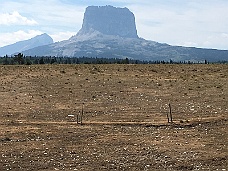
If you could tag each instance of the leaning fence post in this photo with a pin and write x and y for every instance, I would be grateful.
(82, 113)
(77, 119)
(170, 113)
(168, 116)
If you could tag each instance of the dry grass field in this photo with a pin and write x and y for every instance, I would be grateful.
(124, 124)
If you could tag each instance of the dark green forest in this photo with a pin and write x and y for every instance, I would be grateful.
(20, 59)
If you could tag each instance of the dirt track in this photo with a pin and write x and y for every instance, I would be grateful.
(124, 122)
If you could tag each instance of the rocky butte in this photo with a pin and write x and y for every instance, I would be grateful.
(110, 32)
(109, 20)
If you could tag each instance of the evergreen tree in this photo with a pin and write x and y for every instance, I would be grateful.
(41, 61)
(53, 60)
(5, 60)
(19, 58)
(28, 61)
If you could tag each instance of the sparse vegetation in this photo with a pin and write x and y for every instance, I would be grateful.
(124, 117)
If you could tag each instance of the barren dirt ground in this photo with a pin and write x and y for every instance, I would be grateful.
(124, 124)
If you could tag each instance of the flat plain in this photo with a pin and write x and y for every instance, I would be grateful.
(124, 122)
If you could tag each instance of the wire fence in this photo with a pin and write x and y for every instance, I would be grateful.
(166, 112)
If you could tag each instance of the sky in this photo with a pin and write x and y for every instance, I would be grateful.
(191, 23)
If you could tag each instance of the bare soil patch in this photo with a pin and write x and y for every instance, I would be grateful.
(124, 124)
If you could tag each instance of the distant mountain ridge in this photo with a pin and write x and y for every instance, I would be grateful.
(96, 44)
(110, 32)
(40, 40)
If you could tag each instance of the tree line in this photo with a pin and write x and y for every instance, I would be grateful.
(20, 59)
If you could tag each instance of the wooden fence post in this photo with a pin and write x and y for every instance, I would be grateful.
(170, 113)
(82, 113)
(168, 116)
(77, 119)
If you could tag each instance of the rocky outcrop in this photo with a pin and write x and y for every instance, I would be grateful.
(109, 20)
(40, 40)
(110, 32)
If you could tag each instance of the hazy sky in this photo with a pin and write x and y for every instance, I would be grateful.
(199, 23)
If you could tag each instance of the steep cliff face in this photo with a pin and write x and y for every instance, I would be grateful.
(110, 32)
(109, 20)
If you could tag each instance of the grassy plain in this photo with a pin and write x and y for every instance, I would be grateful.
(124, 117)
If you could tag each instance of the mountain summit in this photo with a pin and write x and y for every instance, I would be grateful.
(109, 20)
(110, 32)
(40, 40)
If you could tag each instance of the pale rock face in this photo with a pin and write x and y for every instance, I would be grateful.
(110, 21)
(110, 32)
